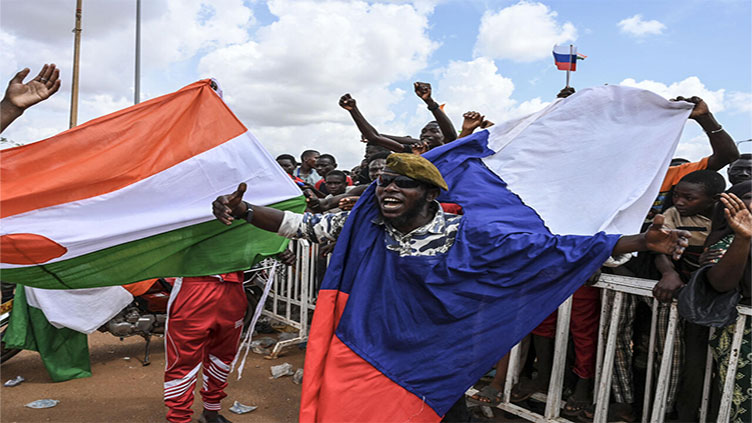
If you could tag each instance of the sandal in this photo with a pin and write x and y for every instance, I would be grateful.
(525, 389)
(488, 396)
(617, 412)
(575, 407)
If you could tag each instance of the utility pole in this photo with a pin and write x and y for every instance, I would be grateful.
(76, 57)
(137, 84)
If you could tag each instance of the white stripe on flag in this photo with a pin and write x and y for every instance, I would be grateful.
(177, 197)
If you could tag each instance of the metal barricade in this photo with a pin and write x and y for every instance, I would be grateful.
(292, 297)
(619, 287)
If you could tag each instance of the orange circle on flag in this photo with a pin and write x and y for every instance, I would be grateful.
(28, 249)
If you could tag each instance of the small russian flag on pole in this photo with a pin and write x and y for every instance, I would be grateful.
(566, 57)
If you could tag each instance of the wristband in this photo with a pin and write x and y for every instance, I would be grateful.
(715, 131)
(434, 106)
(248, 216)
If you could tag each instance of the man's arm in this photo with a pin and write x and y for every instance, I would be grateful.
(658, 238)
(724, 147)
(423, 90)
(670, 281)
(369, 132)
(330, 203)
(308, 226)
(20, 96)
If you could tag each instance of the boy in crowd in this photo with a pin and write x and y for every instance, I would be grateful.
(694, 198)
(325, 164)
(307, 171)
(287, 162)
(741, 169)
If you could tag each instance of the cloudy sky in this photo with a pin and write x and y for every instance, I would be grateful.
(283, 64)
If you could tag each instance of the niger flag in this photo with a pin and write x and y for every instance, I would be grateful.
(127, 196)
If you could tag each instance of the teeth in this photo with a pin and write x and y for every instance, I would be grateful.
(391, 200)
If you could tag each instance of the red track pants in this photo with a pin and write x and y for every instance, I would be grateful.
(583, 325)
(205, 320)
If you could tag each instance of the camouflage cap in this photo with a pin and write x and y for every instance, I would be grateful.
(416, 167)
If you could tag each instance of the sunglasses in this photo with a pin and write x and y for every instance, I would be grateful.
(401, 181)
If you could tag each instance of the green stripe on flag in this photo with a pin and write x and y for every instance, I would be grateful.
(207, 248)
(64, 352)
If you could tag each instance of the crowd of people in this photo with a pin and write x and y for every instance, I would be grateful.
(712, 227)
(691, 195)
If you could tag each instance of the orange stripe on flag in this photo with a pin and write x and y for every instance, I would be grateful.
(116, 150)
(139, 288)
(29, 249)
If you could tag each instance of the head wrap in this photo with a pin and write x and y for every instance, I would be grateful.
(416, 167)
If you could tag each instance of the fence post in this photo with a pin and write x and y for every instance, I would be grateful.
(661, 389)
(651, 359)
(706, 381)
(728, 387)
(555, 385)
(604, 388)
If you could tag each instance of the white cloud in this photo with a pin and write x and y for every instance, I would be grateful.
(693, 148)
(477, 85)
(293, 70)
(172, 31)
(523, 32)
(188, 26)
(637, 27)
(691, 86)
(739, 102)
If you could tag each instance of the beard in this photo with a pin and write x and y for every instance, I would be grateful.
(409, 214)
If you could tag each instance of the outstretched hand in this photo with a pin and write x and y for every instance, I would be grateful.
(700, 109)
(227, 208)
(738, 215)
(660, 239)
(23, 96)
(347, 102)
(423, 90)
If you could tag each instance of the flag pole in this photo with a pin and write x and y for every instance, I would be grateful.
(76, 57)
(137, 83)
(571, 50)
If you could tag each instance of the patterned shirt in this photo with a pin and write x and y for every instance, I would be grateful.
(435, 237)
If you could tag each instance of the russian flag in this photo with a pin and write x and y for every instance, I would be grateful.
(566, 60)
(401, 338)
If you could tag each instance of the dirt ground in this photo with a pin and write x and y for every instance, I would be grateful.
(122, 390)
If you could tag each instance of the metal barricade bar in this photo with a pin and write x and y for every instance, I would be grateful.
(621, 286)
(293, 293)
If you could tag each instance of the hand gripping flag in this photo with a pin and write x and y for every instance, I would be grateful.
(566, 58)
(127, 196)
(400, 339)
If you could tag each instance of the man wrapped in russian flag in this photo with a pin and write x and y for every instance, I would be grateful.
(411, 291)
